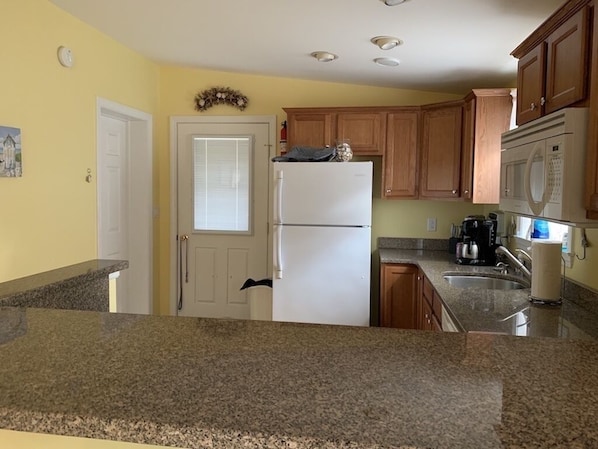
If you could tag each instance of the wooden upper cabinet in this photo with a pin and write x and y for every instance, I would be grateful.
(400, 167)
(310, 128)
(567, 62)
(553, 69)
(591, 190)
(364, 128)
(441, 150)
(486, 115)
(531, 84)
(365, 131)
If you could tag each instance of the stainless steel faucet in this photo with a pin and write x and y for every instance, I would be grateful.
(501, 250)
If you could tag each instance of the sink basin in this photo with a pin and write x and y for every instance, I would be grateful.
(481, 281)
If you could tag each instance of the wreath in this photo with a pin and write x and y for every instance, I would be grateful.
(220, 95)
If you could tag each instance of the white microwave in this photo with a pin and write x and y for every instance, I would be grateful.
(542, 167)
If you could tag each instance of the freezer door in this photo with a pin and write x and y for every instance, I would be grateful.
(322, 275)
(323, 193)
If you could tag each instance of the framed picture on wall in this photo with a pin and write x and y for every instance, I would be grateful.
(10, 152)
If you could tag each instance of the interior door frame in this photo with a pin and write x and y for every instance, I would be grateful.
(140, 195)
(175, 121)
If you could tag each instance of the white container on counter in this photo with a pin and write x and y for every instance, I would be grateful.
(546, 271)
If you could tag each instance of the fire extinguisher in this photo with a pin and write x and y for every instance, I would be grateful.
(283, 137)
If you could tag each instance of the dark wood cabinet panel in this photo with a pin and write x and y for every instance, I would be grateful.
(554, 72)
(486, 115)
(364, 128)
(400, 167)
(399, 294)
(531, 84)
(365, 131)
(441, 151)
(567, 63)
(430, 306)
(310, 129)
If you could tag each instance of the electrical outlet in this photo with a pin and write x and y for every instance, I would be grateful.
(431, 224)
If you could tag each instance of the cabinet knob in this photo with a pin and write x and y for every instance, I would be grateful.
(532, 106)
(507, 191)
(542, 101)
(466, 192)
(454, 191)
(387, 190)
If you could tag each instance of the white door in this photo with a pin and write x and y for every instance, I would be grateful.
(125, 212)
(223, 199)
(113, 198)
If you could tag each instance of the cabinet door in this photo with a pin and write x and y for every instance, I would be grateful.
(441, 152)
(398, 299)
(310, 129)
(487, 114)
(469, 116)
(566, 62)
(427, 323)
(365, 131)
(530, 84)
(400, 157)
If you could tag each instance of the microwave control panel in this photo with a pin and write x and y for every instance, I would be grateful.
(554, 157)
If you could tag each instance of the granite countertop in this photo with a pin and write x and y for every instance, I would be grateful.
(192, 382)
(82, 286)
(501, 311)
(71, 273)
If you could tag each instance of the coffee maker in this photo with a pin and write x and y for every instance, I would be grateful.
(478, 241)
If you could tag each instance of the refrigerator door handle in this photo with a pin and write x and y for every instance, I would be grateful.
(278, 197)
(278, 252)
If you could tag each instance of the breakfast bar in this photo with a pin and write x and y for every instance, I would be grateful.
(194, 382)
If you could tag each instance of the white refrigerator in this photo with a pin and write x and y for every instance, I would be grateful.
(322, 242)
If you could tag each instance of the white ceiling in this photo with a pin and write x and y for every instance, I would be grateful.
(449, 46)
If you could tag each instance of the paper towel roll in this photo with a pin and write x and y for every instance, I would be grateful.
(546, 276)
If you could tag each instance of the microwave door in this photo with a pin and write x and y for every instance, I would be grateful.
(512, 191)
(535, 180)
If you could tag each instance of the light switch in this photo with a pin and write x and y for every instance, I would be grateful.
(432, 224)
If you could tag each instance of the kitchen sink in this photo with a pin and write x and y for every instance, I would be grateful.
(481, 281)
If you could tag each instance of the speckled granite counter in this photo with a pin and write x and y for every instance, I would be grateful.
(82, 286)
(189, 382)
(501, 311)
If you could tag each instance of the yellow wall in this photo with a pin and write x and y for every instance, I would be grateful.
(585, 271)
(48, 216)
(29, 440)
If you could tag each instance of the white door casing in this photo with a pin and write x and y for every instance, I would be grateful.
(125, 214)
(218, 263)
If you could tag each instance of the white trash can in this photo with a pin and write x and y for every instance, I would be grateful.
(260, 302)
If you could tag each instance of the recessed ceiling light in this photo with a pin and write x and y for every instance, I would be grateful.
(388, 62)
(392, 2)
(324, 56)
(386, 42)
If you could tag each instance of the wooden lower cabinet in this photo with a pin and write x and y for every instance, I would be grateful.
(430, 305)
(407, 299)
(398, 298)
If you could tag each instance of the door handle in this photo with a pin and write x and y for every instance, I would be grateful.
(278, 197)
(183, 239)
(278, 252)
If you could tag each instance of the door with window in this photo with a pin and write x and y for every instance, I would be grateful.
(223, 191)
